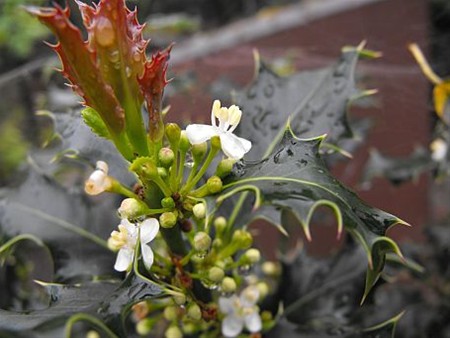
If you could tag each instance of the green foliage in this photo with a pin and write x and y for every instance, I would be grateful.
(18, 32)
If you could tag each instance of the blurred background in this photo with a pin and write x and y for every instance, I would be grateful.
(214, 54)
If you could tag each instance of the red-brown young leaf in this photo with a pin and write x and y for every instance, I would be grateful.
(80, 67)
(152, 85)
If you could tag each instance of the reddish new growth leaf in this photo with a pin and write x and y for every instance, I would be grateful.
(110, 70)
(152, 85)
(80, 67)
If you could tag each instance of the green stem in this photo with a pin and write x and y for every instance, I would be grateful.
(189, 185)
(118, 188)
(174, 170)
(87, 318)
(237, 208)
(122, 144)
(181, 167)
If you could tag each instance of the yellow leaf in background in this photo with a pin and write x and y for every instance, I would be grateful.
(441, 93)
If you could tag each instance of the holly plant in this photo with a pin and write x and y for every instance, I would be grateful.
(181, 260)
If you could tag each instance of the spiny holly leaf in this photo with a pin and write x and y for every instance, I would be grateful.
(294, 177)
(315, 101)
(107, 301)
(65, 220)
(77, 142)
(320, 297)
(397, 170)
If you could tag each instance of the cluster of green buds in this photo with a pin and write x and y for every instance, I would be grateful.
(168, 232)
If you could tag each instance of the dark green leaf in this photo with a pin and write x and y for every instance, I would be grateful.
(315, 101)
(295, 178)
(107, 301)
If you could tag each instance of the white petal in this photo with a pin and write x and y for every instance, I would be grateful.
(130, 227)
(149, 230)
(253, 322)
(249, 296)
(199, 133)
(232, 326)
(124, 259)
(227, 304)
(147, 255)
(233, 146)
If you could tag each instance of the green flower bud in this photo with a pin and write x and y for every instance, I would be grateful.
(228, 285)
(243, 239)
(214, 184)
(187, 205)
(217, 243)
(145, 326)
(166, 157)
(199, 210)
(224, 167)
(144, 167)
(92, 334)
(271, 269)
(194, 311)
(173, 332)
(179, 299)
(184, 142)
(215, 142)
(162, 172)
(263, 289)
(168, 220)
(216, 274)
(202, 241)
(253, 255)
(171, 313)
(266, 316)
(131, 208)
(189, 328)
(199, 151)
(173, 133)
(220, 224)
(168, 202)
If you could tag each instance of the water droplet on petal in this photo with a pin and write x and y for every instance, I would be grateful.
(104, 32)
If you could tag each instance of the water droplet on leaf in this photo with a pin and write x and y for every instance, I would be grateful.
(104, 32)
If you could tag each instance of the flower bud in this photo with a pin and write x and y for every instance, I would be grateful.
(214, 184)
(168, 219)
(189, 328)
(92, 334)
(171, 313)
(173, 332)
(199, 210)
(179, 299)
(194, 311)
(266, 316)
(166, 157)
(145, 326)
(271, 269)
(202, 241)
(173, 133)
(98, 181)
(162, 172)
(184, 142)
(217, 243)
(216, 274)
(263, 289)
(252, 255)
(228, 285)
(243, 239)
(220, 223)
(144, 167)
(188, 205)
(168, 202)
(131, 208)
(224, 167)
(199, 151)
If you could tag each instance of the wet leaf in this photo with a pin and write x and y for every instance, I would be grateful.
(397, 169)
(316, 103)
(108, 301)
(294, 178)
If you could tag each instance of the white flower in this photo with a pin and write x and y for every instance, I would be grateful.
(126, 238)
(241, 311)
(99, 181)
(234, 147)
(438, 150)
